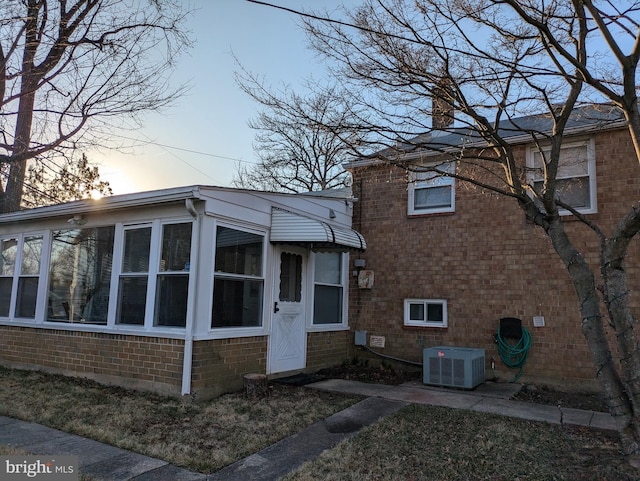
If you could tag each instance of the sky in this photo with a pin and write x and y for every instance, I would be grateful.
(200, 139)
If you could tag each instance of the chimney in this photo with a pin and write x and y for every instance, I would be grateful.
(442, 111)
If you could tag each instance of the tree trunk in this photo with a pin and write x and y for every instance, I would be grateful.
(615, 384)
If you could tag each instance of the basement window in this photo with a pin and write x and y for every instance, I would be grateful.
(425, 312)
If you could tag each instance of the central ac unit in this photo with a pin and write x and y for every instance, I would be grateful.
(461, 367)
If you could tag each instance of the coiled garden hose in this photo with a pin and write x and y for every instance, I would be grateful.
(514, 355)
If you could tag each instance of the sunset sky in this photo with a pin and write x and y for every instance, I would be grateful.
(200, 139)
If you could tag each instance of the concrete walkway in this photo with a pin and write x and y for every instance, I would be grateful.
(107, 463)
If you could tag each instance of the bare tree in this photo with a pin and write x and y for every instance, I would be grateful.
(301, 141)
(48, 183)
(493, 61)
(69, 69)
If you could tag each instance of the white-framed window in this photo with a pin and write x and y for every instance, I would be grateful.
(328, 289)
(431, 192)
(172, 276)
(238, 286)
(425, 312)
(576, 177)
(80, 275)
(133, 281)
(20, 266)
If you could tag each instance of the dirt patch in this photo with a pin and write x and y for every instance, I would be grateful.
(361, 371)
(589, 401)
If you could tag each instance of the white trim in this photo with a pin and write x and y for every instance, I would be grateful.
(426, 322)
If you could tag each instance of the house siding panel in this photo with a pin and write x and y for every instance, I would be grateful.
(488, 262)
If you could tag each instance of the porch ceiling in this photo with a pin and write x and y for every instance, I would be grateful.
(290, 228)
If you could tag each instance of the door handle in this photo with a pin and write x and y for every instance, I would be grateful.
(275, 307)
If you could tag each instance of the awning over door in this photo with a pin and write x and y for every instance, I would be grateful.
(289, 228)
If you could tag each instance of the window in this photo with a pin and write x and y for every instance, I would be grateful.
(8, 255)
(328, 288)
(29, 277)
(430, 192)
(575, 180)
(80, 275)
(134, 277)
(238, 279)
(425, 312)
(172, 285)
(290, 277)
(25, 252)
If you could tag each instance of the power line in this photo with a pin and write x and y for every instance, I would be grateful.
(191, 151)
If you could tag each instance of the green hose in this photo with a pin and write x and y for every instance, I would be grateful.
(514, 355)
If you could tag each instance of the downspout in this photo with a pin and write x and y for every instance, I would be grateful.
(187, 362)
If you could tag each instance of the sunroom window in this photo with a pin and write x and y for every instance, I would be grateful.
(80, 275)
(8, 255)
(238, 280)
(172, 284)
(134, 277)
(29, 277)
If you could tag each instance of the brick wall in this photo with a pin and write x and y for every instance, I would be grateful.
(136, 362)
(220, 364)
(326, 349)
(488, 262)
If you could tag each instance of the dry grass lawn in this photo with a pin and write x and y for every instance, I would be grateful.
(419, 443)
(202, 436)
(422, 443)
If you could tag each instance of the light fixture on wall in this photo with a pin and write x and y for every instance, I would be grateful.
(77, 220)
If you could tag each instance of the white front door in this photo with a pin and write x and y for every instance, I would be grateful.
(288, 341)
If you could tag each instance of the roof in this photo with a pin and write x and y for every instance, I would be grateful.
(585, 119)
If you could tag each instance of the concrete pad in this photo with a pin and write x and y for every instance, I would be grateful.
(605, 421)
(19, 434)
(124, 466)
(88, 451)
(576, 417)
(522, 410)
(170, 473)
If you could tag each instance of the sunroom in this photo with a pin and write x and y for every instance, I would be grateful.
(180, 291)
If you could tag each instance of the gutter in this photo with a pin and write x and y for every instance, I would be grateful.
(187, 360)
(105, 204)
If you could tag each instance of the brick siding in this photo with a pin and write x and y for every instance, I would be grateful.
(137, 362)
(488, 262)
(220, 364)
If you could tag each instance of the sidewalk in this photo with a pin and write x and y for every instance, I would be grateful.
(107, 463)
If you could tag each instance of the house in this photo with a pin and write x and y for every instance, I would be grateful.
(449, 260)
(178, 291)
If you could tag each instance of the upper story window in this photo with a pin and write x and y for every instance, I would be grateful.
(432, 192)
(576, 178)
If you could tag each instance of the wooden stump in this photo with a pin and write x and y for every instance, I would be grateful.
(256, 385)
